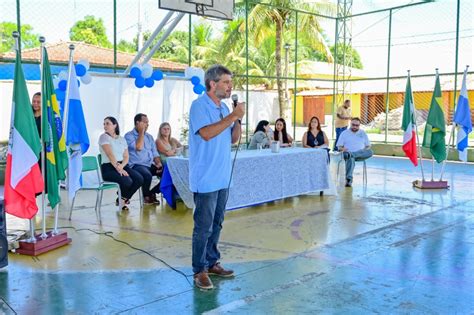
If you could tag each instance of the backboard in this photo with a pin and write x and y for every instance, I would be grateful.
(219, 9)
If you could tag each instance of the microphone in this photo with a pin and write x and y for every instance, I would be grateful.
(235, 99)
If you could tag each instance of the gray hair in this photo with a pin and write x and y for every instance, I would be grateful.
(214, 73)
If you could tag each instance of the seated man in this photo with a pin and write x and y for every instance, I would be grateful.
(355, 145)
(144, 158)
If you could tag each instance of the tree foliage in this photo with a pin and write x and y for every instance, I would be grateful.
(348, 55)
(91, 31)
(7, 42)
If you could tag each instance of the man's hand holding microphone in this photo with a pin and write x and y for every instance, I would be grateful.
(239, 108)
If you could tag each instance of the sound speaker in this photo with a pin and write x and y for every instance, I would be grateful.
(3, 237)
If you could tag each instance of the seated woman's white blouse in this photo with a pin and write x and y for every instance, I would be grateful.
(118, 145)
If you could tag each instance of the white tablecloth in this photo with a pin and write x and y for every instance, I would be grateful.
(261, 176)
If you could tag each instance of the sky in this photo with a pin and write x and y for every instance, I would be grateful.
(422, 36)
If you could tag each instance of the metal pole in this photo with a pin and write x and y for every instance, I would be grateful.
(18, 27)
(149, 41)
(432, 167)
(43, 235)
(68, 88)
(387, 98)
(163, 38)
(247, 72)
(296, 68)
(115, 36)
(16, 37)
(447, 152)
(456, 58)
(334, 84)
(418, 144)
(189, 41)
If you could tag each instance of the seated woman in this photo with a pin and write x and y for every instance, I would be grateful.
(260, 135)
(315, 137)
(166, 145)
(114, 152)
(280, 133)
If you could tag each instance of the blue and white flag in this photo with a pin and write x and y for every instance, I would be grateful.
(462, 118)
(77, 139)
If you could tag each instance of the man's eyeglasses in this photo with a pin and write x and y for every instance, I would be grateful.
(355, 125)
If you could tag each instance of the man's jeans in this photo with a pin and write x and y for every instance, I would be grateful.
(351, 157)
(338, 133)
(208, 218)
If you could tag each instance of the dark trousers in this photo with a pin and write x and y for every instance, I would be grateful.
(147, 174)
(128, 184)
(208, 218)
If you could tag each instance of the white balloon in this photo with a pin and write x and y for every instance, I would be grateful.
(137, 65)
(87, 78)
(55, 82)
(147, 70)
(84, 62)
(63, 75)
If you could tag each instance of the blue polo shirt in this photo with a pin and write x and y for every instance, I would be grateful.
(146, 155)
(209, 161)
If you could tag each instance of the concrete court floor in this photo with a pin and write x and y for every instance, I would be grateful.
(387, 248)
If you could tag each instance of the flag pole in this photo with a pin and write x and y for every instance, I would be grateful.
(418, 145)
(43, 163)
(31, 239)
(65, 124)
(432, 157)
(66, 101)
(447, 151)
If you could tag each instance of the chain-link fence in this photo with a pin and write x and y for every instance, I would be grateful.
(283, 58)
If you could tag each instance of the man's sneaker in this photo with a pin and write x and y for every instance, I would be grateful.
(202, 281)
(348, 183)
(218, 270)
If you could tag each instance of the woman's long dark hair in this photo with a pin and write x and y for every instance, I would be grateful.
(115, 122)
(261, 126)
(283, 131)
(319, 123)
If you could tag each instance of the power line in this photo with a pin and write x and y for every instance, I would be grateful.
(416, 35)
(416, 43)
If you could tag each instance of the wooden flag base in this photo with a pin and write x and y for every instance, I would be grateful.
(425, 184)
(43, 245)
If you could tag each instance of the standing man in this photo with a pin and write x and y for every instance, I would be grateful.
(212, 130)
(355, 145)
(144, 158)
(343, 116)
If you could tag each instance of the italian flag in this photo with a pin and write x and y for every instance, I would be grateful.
(23, 178)
(408, 126)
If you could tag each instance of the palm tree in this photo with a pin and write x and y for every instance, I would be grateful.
(265, 21)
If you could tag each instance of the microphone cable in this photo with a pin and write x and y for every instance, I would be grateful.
(233, 165)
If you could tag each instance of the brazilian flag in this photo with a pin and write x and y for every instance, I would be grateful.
(53, 135)
(435, 130)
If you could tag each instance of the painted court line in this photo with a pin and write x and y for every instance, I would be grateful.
(229, 307)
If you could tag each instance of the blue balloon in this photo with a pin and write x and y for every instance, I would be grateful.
(195, 80)
(80, 70)
(157, 75)
(139, 82)
(60, 95)
(199, 89)
(62, 85)
(149, 82)
(135, 72)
